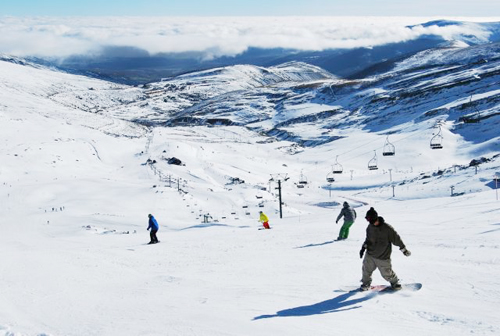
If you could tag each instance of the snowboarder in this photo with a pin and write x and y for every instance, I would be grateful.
(378, 245)
(349, 215)
(264, 220)
(153, 225)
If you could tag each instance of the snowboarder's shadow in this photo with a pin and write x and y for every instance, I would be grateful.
(208, 225)
(489, 231)
(335, 305)
(319, 244)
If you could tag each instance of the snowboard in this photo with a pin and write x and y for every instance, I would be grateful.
(413, 287)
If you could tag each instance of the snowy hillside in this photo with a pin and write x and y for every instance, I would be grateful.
(79, 175)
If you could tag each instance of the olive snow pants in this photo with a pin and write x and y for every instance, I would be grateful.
(370, 264)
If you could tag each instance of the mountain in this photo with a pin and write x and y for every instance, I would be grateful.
(454, 85)
(131, 65)
(84, 161)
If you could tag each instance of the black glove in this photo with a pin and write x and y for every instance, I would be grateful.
(406, 252)
(361, 252)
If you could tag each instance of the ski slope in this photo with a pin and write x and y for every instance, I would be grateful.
(76, 190)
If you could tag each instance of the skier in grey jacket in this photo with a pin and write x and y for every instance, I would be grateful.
(380, 237)
(349, 215)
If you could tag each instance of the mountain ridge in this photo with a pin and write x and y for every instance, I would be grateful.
(131, 65)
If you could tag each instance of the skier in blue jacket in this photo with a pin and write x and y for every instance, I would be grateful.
(153, 225)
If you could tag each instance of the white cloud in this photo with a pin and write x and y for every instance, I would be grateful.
(62, 37)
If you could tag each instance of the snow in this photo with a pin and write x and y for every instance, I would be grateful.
(76, 191)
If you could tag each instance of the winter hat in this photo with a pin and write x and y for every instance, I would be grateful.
(371, 215)
(346, 204)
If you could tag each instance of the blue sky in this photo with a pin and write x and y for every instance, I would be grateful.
(472, 8)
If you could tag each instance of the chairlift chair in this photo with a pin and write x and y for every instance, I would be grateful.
(337, 167)
(302, 180)
(437, 140)
(372, 164)
(330, 178)
(389, 149)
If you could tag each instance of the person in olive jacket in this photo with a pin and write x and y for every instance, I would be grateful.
(380, 237)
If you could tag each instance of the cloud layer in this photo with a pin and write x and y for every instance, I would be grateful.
(214, 36)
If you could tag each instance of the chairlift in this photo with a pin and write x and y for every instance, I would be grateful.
(437, 140)
(330, 179)
(302, 180)
(337, 167)
(372, 164)
(389, 149)
(474, 117)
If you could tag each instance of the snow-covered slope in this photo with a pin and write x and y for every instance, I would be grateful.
(451, 85)
(78, 178)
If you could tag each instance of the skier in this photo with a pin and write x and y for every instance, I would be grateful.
(264, 220)
(153, 225)
(349, 215)
(379, 239)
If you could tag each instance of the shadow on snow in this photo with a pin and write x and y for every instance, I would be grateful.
(314, 245)
(493, 230)
(206, 225)
(341, 303)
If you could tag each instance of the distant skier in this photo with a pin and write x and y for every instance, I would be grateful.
(349, 215)
(264, 220)
(378, 245)
(153, 226)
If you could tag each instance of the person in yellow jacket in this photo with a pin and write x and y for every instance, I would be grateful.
(264, 220)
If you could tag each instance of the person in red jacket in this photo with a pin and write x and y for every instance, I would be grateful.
(380, 237)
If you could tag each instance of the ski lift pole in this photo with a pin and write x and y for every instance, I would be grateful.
(279, 193)
(496, 185)
(279, 178)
